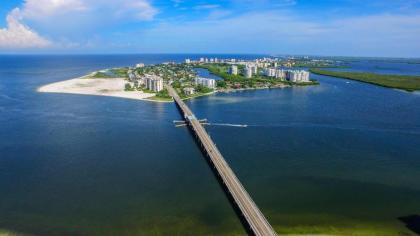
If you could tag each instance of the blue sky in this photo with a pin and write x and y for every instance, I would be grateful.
(342, 27)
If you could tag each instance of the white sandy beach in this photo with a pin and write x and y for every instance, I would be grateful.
(113, 87)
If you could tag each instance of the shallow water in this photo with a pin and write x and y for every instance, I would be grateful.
(336, 158)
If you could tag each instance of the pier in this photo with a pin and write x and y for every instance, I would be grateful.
(258, 224)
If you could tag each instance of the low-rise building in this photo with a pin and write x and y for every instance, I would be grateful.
(189, 91)
(139, 65)
(209, 83)
(188, 61)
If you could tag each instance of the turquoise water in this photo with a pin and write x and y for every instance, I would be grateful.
(336, 158)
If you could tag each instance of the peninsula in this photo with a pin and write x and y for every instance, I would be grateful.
(147, 82)
(404, 82)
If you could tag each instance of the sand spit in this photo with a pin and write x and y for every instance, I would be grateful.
(112, 87)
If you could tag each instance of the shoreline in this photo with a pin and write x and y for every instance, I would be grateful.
(114, 87)
(256, 88)
(86, 85)
(408, 83)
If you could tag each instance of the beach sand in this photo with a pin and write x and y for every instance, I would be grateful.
(113, 87)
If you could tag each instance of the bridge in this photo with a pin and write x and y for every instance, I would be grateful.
(258, 224)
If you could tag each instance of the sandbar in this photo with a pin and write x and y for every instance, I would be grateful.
(112, 87)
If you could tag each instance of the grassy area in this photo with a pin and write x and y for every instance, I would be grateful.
(162, 96)
(405, 82)
(101, 75)
(120, 72)
(196, 94)
(221, 71)
(147, 91)
(112, 73)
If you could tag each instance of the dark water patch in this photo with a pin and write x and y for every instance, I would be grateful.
(412, 222)
(206, 74)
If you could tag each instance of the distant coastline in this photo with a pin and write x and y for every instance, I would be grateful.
(404, 82)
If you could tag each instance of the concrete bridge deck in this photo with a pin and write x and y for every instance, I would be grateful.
(251, 213)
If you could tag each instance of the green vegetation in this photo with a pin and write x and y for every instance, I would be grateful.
(405, 82)
(221, 84)
(169, 71)
(176, 84)
(111, 73)
(162, 96)
(146, 90)
(312, 82)
(199, 91)
(203, 89)
(128, 87)
(102, 75)
(120, 72)
(221, 71)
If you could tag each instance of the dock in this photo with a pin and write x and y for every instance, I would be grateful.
(256, 221)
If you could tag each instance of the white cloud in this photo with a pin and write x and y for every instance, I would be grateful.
(19, 36)
(39, 10)
(68, 20)
(36, 9)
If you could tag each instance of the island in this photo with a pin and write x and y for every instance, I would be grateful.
(149, 82)
(404, 82)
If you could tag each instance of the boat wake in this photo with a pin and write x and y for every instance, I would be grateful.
(230, 125)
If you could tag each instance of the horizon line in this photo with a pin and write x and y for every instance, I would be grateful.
(201, 54)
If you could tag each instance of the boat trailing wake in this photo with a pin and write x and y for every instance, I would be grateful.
(230, 125)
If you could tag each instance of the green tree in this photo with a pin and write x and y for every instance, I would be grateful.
(221, 83)
(128, 87)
